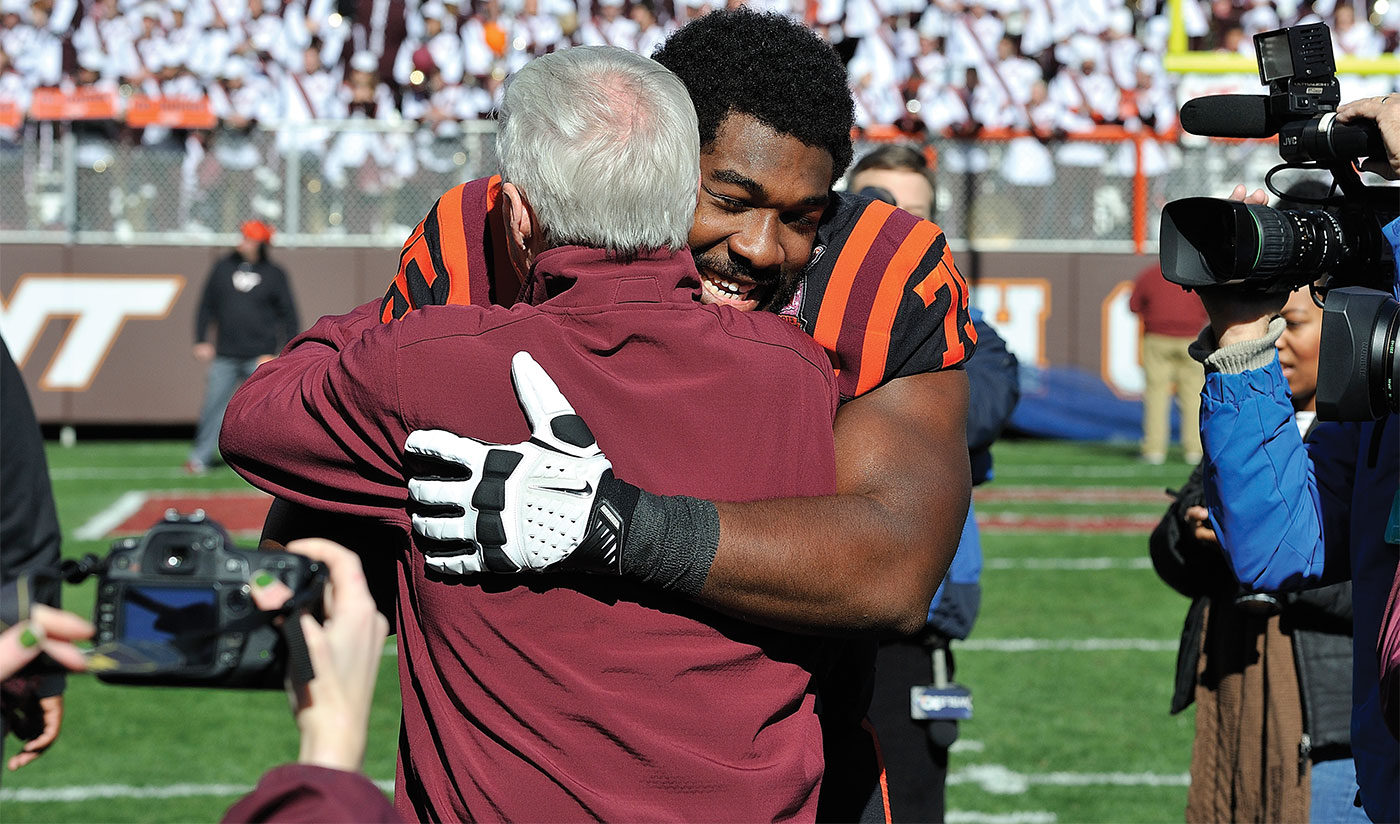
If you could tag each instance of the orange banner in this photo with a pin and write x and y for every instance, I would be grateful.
(79, 104)
(11, 115)
(172, 112)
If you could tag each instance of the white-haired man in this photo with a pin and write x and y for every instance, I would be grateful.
(599, 696)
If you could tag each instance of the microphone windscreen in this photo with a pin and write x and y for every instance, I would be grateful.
(1228, 115)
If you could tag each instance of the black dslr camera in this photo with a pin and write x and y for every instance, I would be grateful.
(174, 609)
(1208, 242)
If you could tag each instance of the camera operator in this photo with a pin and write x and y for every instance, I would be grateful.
(1291, 516)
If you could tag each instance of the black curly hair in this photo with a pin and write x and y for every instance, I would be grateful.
(767, 66)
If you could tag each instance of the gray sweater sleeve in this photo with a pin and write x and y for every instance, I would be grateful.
(1240, 356)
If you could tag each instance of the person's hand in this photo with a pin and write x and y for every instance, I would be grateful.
(204, 352)
(1385, 112)
(47, 630)
(50, 631)
(527, 507)
(1198, 519)
(1237, 315)
(51, 710)
(332, 710)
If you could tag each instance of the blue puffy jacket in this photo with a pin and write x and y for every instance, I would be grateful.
(1294, 516)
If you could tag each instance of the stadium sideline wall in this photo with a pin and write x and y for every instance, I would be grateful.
(103, 333)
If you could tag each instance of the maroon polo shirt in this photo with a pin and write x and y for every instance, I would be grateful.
(585, 697)
(1165, 308)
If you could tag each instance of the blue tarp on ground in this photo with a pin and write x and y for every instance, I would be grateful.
(1066, 402)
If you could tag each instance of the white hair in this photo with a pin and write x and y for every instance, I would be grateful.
(605, 147)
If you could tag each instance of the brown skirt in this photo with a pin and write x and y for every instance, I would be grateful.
(1246, 763)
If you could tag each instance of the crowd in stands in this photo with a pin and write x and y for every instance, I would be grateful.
(921, 64)
(1040, 69)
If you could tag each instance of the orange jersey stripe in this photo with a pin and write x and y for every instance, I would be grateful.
(838, 290)
(876, 346)
(493, 191)
(452, 235)
(401, 277)
(880, 762)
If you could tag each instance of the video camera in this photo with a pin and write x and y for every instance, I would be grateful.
(1208, 242)
(174, 608)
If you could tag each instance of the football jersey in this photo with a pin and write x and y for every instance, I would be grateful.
(881, 293)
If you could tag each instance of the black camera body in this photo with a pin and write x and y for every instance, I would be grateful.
(174, 608)
(1211, 243)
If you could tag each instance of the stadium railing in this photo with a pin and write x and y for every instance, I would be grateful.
(367, 183)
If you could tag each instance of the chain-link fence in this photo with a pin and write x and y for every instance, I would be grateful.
(368, 183)
(324, 183)
(1078, 195)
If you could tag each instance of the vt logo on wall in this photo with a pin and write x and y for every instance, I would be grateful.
(97, 307)
(1020, 310)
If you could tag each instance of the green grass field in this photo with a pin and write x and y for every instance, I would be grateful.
(1070, 663)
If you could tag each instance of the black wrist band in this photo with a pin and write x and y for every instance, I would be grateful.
(669, 541)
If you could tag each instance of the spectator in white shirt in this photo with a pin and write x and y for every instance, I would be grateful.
(1121, 49)
(529, 34)
(651, 32)
(609, 27)
(484, 41)
(40, 56)
(444, 46)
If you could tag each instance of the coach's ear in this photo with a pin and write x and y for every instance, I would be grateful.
(523, 229)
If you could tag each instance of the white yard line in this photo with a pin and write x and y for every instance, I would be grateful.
(1021, 645)
(999, 780)
(992, 778)
(112, 517)
(116, 473)
(95, 792)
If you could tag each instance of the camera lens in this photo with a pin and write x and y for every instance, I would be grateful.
(238, 601)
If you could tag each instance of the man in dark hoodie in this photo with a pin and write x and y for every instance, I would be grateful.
(249, 302)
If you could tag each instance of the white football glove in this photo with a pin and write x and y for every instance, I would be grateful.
(526, 507)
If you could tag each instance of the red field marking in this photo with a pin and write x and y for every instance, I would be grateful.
(1011, 522)
(241, 512)
(1075, 495)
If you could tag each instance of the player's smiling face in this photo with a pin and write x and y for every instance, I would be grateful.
(761, 196)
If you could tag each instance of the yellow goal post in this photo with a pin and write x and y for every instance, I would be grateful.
(1182, 60)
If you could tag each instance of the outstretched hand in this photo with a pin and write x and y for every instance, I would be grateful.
(526, 507)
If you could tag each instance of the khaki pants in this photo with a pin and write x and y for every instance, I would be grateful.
(1168, 366)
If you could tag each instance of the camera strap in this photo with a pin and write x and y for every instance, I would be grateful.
(299, 667)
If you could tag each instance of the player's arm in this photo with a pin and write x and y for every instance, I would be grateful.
(865, 560)
(870, 557)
